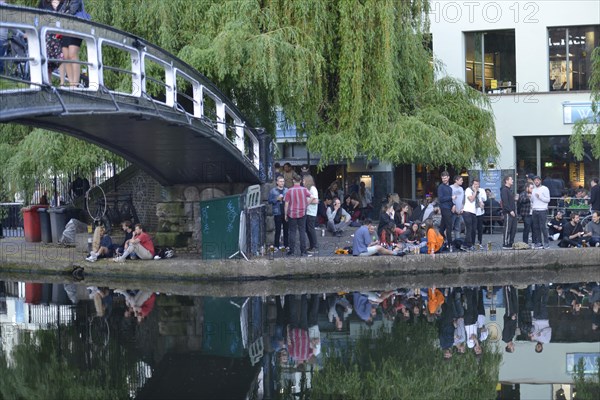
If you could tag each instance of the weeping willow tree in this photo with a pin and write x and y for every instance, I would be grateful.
(588, 131)
(355, 77)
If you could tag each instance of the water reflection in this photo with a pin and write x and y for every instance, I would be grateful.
(507, 342)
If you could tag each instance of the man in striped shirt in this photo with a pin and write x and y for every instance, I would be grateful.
(296, 201)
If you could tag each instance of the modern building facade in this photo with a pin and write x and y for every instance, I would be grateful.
(534, 61)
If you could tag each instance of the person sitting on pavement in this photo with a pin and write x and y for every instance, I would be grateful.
(386, 216)
(141, 245)
(555, 226)
(365, 242)
(435, 240)
(338, 219)
(416, 237)
(389, 238)
(592, 230)
(127, 227)
(322, 210)
(101, 245)
(572, 232)
(352, 206)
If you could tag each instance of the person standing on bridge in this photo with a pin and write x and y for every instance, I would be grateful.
(70, 45)
(296, 201)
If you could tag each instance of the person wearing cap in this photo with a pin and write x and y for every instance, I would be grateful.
(540, 197)
(510, 213)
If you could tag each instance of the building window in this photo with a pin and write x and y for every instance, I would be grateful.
(570, 51)
(490, 61)
(551, 157)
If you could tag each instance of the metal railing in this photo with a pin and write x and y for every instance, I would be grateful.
(176, 84)
(11, 220)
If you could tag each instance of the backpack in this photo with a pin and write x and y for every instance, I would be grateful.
(166, 252)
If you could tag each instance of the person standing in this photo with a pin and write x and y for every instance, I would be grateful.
(288, 174)
(311, 213)
(296, 201)
(276, 199)
(594, 195)
(541, 331)
(458, 201)
(479, 211)
(445, 202)
(524, 206)
(540, 197)
(510, 215)
(470, 214)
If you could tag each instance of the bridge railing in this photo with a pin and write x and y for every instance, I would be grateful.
(150, 72)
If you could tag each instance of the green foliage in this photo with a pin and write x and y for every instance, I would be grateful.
(588, 387)
(36, 371)
(355, 76)
(404, 364)
(589, 131)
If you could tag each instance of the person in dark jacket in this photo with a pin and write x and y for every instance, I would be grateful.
(509, 212)
(445, 201)
(594, 195)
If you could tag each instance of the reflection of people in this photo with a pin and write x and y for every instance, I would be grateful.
(541, 332)
(511, 313)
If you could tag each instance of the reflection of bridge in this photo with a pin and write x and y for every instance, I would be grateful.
(163, 115)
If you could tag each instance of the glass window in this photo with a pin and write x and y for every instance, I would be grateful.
(556, 162)
(490, 61)
(570, 50)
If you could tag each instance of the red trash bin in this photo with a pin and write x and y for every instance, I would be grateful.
(31, 223)
(33, 293)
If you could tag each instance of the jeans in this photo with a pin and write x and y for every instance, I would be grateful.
(457, 220)
(299, 225)
(446, 224)
(539, 227)
(279, 222)
(527, 225)
(480, 229)
(470, 228)
(310, 231)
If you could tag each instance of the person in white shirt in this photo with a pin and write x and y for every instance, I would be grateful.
(540, 197)
(472, 201)
(311, 213)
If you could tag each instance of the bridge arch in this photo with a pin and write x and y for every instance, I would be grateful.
(187, 132)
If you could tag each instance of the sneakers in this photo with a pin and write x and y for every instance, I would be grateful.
(338, 234)
(119, 259)
(466, 248)
(507, 247)
(312, 250)
(538, 246)
(91, 259)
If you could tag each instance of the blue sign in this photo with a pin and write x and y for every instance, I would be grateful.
(492, 179)
(574, 112)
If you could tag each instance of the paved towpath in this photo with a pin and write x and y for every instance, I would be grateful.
(278, 274)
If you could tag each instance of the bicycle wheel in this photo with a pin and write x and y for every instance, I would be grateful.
(95, 203)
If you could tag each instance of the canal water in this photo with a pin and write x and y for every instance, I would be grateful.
(71, 341)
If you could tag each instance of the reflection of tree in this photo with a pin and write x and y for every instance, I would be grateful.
(588, 386)
(39, 368)
(406, 364)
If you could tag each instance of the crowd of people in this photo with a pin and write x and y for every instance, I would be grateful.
(299, 210)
